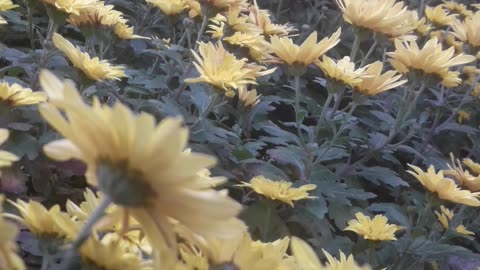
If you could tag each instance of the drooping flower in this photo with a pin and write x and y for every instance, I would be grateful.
(379, 82)
(9, 258)
(306, 53)
(343, 71)
(6, 158)
(93, 68)
(248, 98)
(306, 258)
(376, 229)
(445, 216)
(445, 188)
(467, 31)
(15, 95)
(431, 61)
(439, 16)
(169, 7)
(222, 70)
(140, 165)
(279, 190)
(4, 6)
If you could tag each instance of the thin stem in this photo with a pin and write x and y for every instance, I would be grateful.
(321, 119)
(45, 262)
(279, 9)
(297, 104)
(355, 46)
(370, 51)
(30, 24)
(213, 101)
(202, 29)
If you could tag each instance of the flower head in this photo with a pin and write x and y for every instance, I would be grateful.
(8, 247)
(376, 229)
(467, 31)
(458, 8)
(431, 60)
(96, 15)
(223, 70)
(306, 53)
(439, 16)
(6, 158)
(343, 71)
(463, 177)
(445, 216)
(4, 6)
(123, 31)
(261, 18)
(15, 95)
(170, 7)
(93, 68)
(379, 82)
(248, 98)
(279, 190)
(445, 188)
(258, 48)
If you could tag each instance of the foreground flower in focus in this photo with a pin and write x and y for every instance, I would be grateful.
(9, 259)
(343, 71)
(431, 61)
(379, 82)
(439, 16)
(376, 229)
(279, 190)
(139, 165)
(467, 31)
(4, 6)
(93, 68)
(223, 70)
(445, 188)
(6, 158)
(306, 258)
(15, 95)
(445, 216)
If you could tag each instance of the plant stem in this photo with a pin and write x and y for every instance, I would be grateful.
(30, 24)
(322, 115)
(355, 46)
(370, 51)
(297, 105)
(202, 28)
(279, 9)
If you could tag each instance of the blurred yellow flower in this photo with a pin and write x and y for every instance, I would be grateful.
(376, 229)
(279, 190)
(387, 17)
(472, 165)
(15, 95)
(123, 31)
(222, 70)
(445, 216)
(470, 74)
(169, 7)
(431, 60)
(196, 6)
(70, 6)
(420, 24)
(4, 6)
(140, 165)
(258, 48)
(462, 116)
(96, 15)
(9, 260)
(306, 258)
(6, 158)
(467, 31)
(343, 71)
(261, 18)
(458, 8)
(93, 68)
(193, 258)
(445, 188)
(438, 16)
(379, 82)
(248, 98)
(306, 53)
(464, 177)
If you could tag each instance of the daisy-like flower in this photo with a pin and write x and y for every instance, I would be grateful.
(387, 17)
(306, 53)
(379, 82)
(343, 71)
(4, 6)
(462, 116)
(376, 229)
(140, 165)
(458, 8)
(123, 31)
(420, 24)
(279, 190)
(445, 188)
(467, 31)
(15, 95)
(93, 68)
(445, 216)
(470, 74)
(431, 61)
(248, 98)
(222, 70)
(9, 258)
(306, 258)
(261, 18)
(196, 6)
(97, 15)
(463, 177)
(258, 48)
(70, 6)
(439, 16)
(169, 7)
(6, 158)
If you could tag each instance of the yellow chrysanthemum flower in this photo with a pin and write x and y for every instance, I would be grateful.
(467, 31)
(279, 190)
(123, 31)
(93, 68)
(306, 258)
(6, 158)
(140, 165)
(457, 8)
(97, 15)
(15, 95)
(470, 74)
(343, 71)
(376, 229)
(445, 188)
(439, 16)
(4, 6)
(472, 165)
(258, 48)
(379, 82)
(445, 216)
(196, 6)
(193, 258)
(431, 60)
(169, 7)
(222, 70)
(462, 116)
(70, 6)
(463, 177)
(248, 98)
(306, 53)
(420, 24)
(261, 18)
(9, 259)
(387, 17)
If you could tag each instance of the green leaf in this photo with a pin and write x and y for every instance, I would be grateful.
(263, 221)
(381, 175)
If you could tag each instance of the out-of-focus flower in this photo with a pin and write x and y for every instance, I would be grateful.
(462, 116)
(470, 74)
(306, 53)
(421, 25)
(439, 16)
(97, 15)
(261, 18)
(445, 188)
(306, 258)
(445, 216)
(4, 6)
(248, 98)
(379, 82)
(140, 165)
(196, 6)
(258, 48)
(169, 7)
(464, 177)
(93, 68)
(343, 71)
(9, 258)
(223, 70)
(387, 17)
(279, 190)
(431, 61)
(123, 31)
(70, 6)
(472, 165)
(458, 8)
(376, 229)
(451, 40)
(467, 31)
(6, 158)
(193, 258)
(15, 95)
